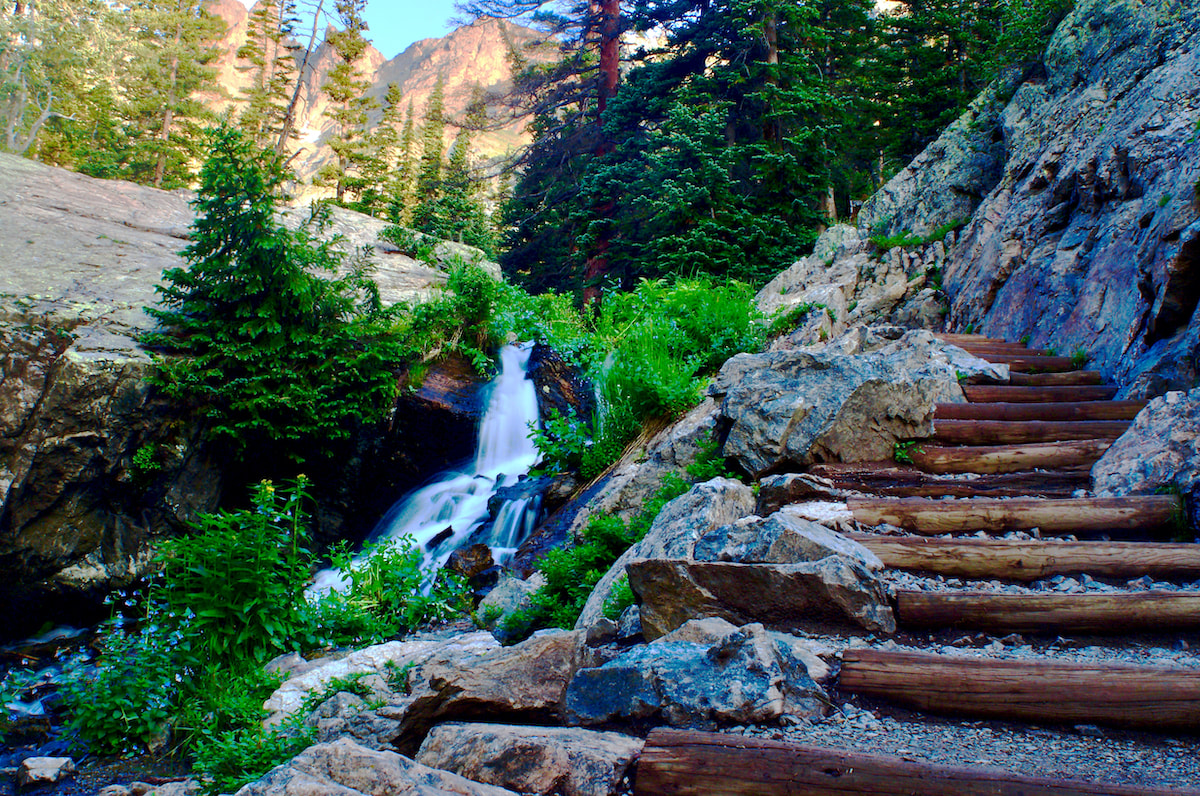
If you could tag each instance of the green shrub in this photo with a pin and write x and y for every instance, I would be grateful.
(123, 702)
(386, 595)
(786, 320)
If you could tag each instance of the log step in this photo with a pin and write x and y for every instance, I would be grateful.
(1077, 454)
(1004, 393)
(1015, 432)
(1066, 410)
(1124, 612)
(956, 338)
(1068, 515)
(692, 763)
(1067, 379)
(1015, 559)
(884, 478)
(1028, 690)
(985, 350)
(1033, 363)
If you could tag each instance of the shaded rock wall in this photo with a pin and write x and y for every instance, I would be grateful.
(1091, 238)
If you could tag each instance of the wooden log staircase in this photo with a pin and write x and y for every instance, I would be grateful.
(1015, 458)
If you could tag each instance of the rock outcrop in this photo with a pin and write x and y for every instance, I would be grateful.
(94, 465)
(1091, 238)
(847, 402)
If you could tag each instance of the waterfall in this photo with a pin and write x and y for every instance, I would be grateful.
(447, 512)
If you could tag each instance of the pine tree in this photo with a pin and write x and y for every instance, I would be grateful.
(174, 43)
(271, 66)
(379, 156)
(349, 103)
(402, 189)
(433, 145)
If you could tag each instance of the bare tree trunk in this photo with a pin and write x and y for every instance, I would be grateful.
(160, 167)
(289, 117)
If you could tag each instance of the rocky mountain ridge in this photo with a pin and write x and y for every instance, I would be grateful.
(469, 58)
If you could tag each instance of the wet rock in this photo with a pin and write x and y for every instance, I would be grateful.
(834, 591)
(470, 561)
(674, 532)
(532, 760)
(779, 539)
(343, 768)
(44, 770)
(743, 677)
(561, 390)
(511, 594)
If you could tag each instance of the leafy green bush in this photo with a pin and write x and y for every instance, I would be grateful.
(123, 702)
(786, 320)
(387, 595)
(277, 358)
(572, 572)
(234, 589)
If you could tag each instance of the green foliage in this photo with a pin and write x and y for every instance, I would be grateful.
(787, 319)
(620, 598)
(647, 354)
(908, 240)
(1079, 358)
(572, 572)
(276, 358)
(459, 321)
(387, 595)
(145, 460)
(233, 588)
(902, 451)
(233, 758)
(1164, 200)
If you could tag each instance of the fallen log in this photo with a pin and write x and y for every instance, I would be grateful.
(1027, 690)
(691, 763)
(1076, 454)
(984, 350)
(956, 338)
(1067, 515)
(992, 393)
(1149, 611)
(885, 478)
(1061, 411)
(1074, 377)
(1015, 432)
(1016, 559)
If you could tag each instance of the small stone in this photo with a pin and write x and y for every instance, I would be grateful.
(1090, 730)
(116, 790)
(44, 770)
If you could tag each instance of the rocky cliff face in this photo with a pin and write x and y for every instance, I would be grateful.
(1087, 231)
(472, 57)
(93, 464)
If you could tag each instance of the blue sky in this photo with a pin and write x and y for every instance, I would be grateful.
(395, 24)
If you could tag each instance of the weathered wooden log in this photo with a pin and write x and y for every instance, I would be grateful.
(1068, 515)
(691, 763)
(886, 478)
(1076, 454)
(1016, 559)
(956, 338)
(1074, 377)
(1094, 612)
(1016, 432)
(1067, 410)
(984, 350)
(991, 393)
(1033, 364)
(1027, 690)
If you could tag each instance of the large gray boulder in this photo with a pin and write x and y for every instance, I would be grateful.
(533, 760)
(779, 539)
(673, 533)
(834, 592)
(1160, 451)
(746, 677)
(838, 404)
(1091, 238)
(343, 768)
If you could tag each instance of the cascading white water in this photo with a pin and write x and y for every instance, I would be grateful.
(442, 515)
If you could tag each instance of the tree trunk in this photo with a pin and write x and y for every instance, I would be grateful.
(164, 136)
(289, 116)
